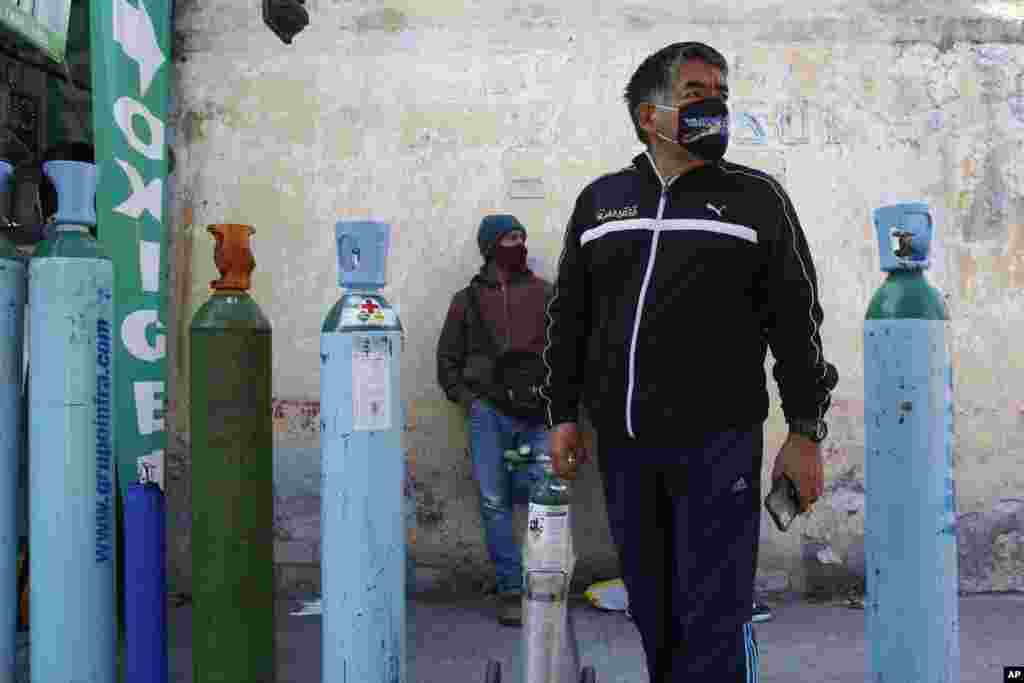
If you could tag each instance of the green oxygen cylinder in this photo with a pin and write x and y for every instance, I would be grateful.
(232, 475)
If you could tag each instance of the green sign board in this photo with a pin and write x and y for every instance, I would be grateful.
(43, 23)
(131, 73)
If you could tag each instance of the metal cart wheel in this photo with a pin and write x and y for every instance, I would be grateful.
(587, 675)
(493, 674)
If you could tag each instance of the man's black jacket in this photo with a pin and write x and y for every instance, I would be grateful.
(668, 296)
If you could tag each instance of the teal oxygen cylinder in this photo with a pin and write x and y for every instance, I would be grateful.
(548, 565)
(71, 475)
(362, 524)
(910, 534)
(13, 288)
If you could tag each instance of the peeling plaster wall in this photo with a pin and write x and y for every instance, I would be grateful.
(430, 114)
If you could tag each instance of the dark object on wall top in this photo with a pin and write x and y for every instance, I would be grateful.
(285, 17)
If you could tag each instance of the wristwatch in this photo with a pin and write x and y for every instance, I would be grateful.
(814, 429)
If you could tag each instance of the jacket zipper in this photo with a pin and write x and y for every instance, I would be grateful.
(640, 308)
(508, 322)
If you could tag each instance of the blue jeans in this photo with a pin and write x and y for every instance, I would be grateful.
(490, 434)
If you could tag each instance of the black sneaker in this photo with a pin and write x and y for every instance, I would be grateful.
(761, 612)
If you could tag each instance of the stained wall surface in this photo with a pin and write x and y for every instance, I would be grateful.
(430, 114)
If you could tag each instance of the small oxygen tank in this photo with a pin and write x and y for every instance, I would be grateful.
(547, 566)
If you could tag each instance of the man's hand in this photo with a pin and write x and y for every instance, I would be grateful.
(800, 459)
(566, 449)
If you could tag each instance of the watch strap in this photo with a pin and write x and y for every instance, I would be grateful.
(813, 429)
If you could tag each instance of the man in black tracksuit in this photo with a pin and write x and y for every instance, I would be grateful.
(678, 272)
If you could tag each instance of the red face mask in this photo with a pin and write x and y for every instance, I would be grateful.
(512, 259)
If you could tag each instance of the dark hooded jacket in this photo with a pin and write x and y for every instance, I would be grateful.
(514, 316)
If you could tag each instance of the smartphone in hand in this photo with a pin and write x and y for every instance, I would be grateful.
(783, 502)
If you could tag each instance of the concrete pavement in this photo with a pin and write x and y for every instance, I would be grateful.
(451, 639)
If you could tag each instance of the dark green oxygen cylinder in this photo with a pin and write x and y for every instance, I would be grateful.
(232, 475)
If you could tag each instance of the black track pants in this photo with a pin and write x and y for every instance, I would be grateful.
(686, 524)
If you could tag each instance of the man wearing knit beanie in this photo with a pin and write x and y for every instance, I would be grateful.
(489, 361)
(493, 228)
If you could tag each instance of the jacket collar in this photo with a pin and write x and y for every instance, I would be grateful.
(644, 163)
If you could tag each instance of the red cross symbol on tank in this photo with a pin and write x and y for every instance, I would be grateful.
(370, 309)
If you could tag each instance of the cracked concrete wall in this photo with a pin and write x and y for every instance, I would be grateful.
(429, 114)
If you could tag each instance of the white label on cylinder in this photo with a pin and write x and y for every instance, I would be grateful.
(548, 538)
(371, 384)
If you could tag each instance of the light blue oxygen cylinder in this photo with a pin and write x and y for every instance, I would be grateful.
(363, 553)
(910, 534)
(71, 477)
(13, 287)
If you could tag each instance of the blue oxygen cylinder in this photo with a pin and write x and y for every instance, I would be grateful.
(910, 536)
(145, 584)
(363, 549)
(13, 287)
(71, 476)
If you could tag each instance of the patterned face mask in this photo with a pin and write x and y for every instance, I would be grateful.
(703, 128)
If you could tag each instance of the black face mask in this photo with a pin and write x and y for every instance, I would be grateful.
(511, 259)
(703, 128)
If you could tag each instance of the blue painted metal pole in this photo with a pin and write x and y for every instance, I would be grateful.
(71, 475)
(13, 288)
(362, 522)
(910, 533)
(145, 584)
